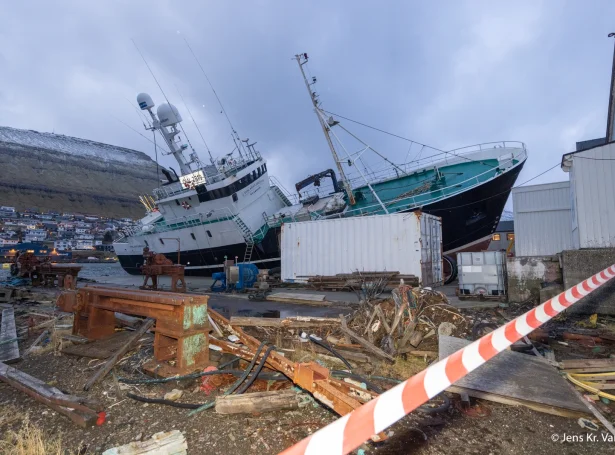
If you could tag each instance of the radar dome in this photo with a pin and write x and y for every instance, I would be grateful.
(168, 115)
(145, 101)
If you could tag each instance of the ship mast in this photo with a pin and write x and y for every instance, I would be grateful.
(302, 60)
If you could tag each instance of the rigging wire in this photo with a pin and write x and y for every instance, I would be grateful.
(216, 95)
(150, 70)
(142, 135)
(196, 125)
(405, 139)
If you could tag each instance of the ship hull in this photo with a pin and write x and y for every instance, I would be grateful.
(467, 217)
(266, 253)
(475, 213)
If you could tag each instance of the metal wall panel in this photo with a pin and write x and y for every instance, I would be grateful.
(408, 243)
(543, 220)
(592, 177)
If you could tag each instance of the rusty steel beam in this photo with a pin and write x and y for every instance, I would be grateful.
(181, 331)
(338, 395)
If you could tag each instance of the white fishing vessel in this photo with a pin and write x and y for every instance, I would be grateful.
(209, 212)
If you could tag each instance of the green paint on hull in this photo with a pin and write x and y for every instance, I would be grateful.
(424, 186)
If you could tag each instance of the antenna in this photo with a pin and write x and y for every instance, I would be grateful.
(211, 158)
(302, 59)
(234, 134)
(150, 70)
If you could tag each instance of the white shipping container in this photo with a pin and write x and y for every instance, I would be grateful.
(482, 273)
(409, 243)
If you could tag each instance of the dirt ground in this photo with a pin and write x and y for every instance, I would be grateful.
(505, 430)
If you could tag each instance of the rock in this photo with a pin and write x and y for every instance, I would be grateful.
(173, 395)
(446, 329)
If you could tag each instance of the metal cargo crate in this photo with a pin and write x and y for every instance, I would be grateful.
(482, 273)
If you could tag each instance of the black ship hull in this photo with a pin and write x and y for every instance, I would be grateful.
(473, 214)
(266, 252)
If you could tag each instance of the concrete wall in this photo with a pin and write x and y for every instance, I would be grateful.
(528, 275)
(579, 265)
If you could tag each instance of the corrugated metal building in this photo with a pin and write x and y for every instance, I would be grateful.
(592, 190)
(543, 219)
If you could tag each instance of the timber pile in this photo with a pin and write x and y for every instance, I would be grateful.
(400, 324)
(350, 281)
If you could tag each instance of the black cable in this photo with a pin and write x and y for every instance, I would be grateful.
(163, 401)
(256, 373)
(177, 378)
(329, 348)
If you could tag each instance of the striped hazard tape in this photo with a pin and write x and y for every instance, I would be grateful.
(350, 431)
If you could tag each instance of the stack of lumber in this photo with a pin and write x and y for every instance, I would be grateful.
(348, 281)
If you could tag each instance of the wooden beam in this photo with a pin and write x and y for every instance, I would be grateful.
(36, 342)
(163, 443)
(588, 363)
(257, 402)
(363, 342)
(109, 364)
(296, 322)
(9, 346)
(80, 410)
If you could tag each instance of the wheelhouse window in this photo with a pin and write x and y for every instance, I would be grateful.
(497, 237)
(510, 236)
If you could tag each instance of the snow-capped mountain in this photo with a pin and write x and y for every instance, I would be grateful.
(55, 172)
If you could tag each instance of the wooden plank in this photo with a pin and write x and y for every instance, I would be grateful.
(99, 349)
(300, 296)
(363, 342)
(588, 363)
(9, 346)
(297, 322)
(518, 379)
(164, 443)
(36, 342)
(76, 408)
(100, 374)
(257, 402)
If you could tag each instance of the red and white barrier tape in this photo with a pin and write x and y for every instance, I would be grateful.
(350, 431)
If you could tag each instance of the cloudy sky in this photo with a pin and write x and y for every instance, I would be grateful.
(448, 74)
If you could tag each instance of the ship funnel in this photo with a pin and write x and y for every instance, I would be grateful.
(145, 101)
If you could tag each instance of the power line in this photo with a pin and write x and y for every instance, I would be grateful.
(595, 159)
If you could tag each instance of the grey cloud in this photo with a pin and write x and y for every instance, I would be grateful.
(448, 74)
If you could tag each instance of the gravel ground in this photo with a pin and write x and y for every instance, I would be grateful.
(506, 430)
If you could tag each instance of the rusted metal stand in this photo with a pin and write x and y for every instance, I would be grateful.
(158, 264)
(181, 341)
(338, 395)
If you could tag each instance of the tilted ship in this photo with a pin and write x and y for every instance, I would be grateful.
(233, 209)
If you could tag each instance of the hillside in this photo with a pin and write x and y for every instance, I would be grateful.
(54, 172)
